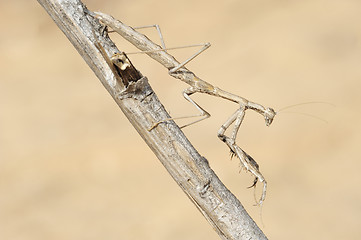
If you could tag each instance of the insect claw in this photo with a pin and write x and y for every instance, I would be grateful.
(232, 153)
(254, 183)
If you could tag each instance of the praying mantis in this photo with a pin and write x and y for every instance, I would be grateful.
(196, 85)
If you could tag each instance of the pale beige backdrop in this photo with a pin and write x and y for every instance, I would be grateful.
(72, 167)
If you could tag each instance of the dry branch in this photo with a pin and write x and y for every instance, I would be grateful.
(139, 103)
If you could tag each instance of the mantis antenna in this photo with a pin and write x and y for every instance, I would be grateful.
(305, 103)
(305, 114)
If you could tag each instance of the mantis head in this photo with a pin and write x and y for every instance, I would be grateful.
(269, 114)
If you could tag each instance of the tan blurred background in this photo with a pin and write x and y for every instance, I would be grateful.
(72, 167)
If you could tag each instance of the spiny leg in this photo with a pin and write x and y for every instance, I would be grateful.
(237, 123)
(247, 161)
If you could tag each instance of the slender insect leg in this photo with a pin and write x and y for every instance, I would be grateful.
(164, 48)
(231, 141)
(173, 48)
(176, 68)
(202, 113)
(226, 125)
(237, 124)
(156, 26)
(204, 47)
(247, 161)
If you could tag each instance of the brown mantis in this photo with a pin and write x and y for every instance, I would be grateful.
(197, 85)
